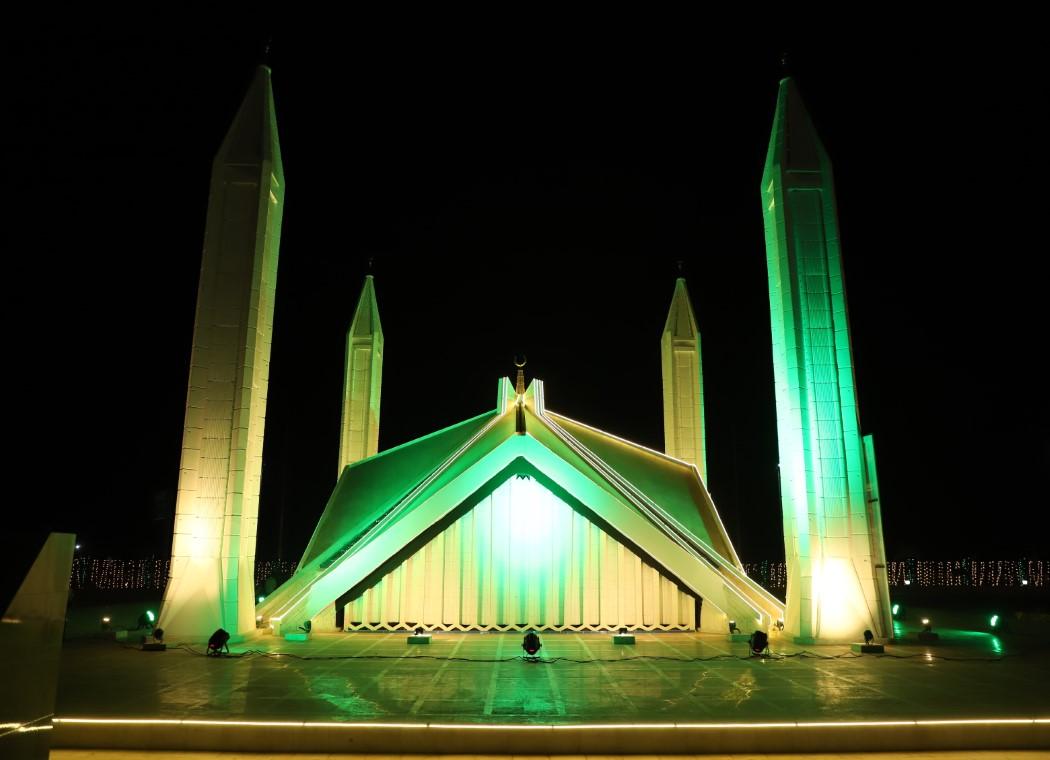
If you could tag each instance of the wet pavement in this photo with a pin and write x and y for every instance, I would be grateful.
(583, 678)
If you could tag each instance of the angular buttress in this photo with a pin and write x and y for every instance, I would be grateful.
(836, 574)
(363, 382)
(211, 582)
(683, 382)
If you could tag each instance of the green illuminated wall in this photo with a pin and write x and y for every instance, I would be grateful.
(832, 536)
(363, 381)
(522, 557)
(211, 583)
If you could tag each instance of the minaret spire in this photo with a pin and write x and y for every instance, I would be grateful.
(211, 582)
(836, 566)
(683, 381)
(363, 381)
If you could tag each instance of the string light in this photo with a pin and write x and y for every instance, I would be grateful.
(152, 573)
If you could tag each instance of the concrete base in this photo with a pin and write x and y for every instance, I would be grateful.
(928, 637)
(421, 639)
(868, 648)
(738, 637)
(545, 739)
(154, 646)
(623, 638)
(300, 636)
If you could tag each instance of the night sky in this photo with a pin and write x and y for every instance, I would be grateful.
(519, 198)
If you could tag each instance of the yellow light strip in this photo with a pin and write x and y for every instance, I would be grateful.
(536, 726)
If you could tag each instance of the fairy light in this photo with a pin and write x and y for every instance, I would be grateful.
(152, 573)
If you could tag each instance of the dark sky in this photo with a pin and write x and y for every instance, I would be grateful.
(522, 198)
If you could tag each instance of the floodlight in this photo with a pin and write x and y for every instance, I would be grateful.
(732, 627)
(623, 631)
(907, 581)
(1024, 581)
(158, 634)
(262, 599)
(780, 624)
(219, 640)
(926, 624)
(994, 621)
(419, 631)
(868, 636)
(759, 642)
(896, 610)
(531, 643)
(105, 623)
(77, 547)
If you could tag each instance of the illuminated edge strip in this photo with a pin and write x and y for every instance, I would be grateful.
(548, 726)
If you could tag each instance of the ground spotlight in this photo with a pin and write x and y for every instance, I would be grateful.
(896, 610)
(622, 637)
(262, 599)
(759, 643)
(105, 623)
(869, 646)
(531, 644)
(419, 636)
(145, 620)
(780, 624)
(732, 627)
(156, 644)
(927, 634)
(993, 621)
(219, 640)
(907, 581)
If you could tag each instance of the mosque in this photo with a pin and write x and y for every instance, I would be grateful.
(521, 517)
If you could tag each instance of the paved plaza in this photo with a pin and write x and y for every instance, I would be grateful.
(581, 678)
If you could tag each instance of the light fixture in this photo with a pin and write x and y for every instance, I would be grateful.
(868, 636)
(77, 547)
(896, 609)
(1024, 581)
(780, 624)
(732, 627)
(907, 581)
(157, 644)
(623, 637)
(531, 644)
(759, 643)
(105, 622)
(219, 640)
(927, 634)
(994, 621)
(419, 636)
(262, 599)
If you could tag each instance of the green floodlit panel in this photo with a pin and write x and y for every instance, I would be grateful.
(211, 582)
(363, 381)
(832, 532)
(523, 557)
(367, 489)
(683, 383)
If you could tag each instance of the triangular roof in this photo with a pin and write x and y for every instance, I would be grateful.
(366, 316)
(681, 322)
(655, 503)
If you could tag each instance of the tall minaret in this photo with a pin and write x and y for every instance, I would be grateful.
(363, 382)
(211, 583)
(836, 566)
(683, 375)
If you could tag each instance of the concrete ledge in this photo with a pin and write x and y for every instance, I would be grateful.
(547, 739)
